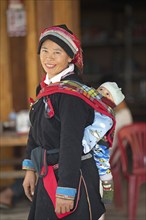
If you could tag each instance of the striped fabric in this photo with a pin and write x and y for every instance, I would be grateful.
(79, 88)
(62, 37)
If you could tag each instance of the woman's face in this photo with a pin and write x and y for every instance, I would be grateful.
(53, 58)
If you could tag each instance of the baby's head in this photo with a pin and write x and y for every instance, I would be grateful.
(111, 91)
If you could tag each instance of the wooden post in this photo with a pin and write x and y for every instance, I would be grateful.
(5, 79)
(6, 105)
(44, 14)
(31, 49)
(67, 12)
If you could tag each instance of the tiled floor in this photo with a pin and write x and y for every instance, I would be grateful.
(20, 211)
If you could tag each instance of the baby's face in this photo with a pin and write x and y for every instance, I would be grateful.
(105, 93)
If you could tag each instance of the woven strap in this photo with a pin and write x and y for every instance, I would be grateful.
(88, 94)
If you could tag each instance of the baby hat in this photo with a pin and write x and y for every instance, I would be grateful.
(115, 91)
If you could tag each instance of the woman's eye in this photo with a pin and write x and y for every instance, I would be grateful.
(44, 50)
(57, 52)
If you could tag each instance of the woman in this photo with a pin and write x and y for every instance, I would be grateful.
(58, 121)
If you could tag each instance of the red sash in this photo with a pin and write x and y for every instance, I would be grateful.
(50, 185)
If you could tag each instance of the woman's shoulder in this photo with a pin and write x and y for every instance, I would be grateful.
(73, 76)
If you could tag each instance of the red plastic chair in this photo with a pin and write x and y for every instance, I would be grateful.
(133, 135)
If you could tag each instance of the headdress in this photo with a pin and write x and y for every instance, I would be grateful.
(62, 36)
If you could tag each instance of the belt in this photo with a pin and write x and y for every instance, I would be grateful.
(86, 156)
(54, 151)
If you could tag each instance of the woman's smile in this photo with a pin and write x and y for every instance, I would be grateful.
(50, 66)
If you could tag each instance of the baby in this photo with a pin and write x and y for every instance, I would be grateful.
(94, 137)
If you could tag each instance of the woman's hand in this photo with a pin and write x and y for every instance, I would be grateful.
(29, 184)
(63, 205)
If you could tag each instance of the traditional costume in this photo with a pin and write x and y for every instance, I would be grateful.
(58, 120)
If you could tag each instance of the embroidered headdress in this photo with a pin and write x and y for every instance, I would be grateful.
(62, 36)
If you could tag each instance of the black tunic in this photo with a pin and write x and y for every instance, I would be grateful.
(65, 131)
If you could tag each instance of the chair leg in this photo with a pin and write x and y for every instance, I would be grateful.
(117, 186)
(133, 191)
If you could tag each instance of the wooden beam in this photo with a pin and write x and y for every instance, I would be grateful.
(12, 174)
(44, 14)
(5, 73)
(44, 10)
(67, 12)
(31, 48)
(11, 139)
